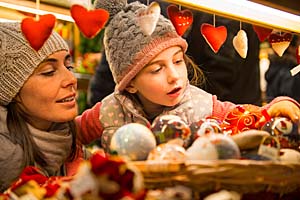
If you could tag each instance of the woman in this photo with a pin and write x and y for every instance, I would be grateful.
(37, 106)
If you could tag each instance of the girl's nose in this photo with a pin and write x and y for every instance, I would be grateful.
(173, 74)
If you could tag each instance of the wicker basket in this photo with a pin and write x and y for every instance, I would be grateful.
(244, 176)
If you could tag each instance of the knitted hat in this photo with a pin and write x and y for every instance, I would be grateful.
(18, 59)
(127, 47)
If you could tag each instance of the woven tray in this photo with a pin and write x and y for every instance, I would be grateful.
(245, 176)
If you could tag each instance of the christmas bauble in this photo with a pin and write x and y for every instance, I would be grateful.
(285, 130)
(168, 127)
(133, 141)
(168, 151)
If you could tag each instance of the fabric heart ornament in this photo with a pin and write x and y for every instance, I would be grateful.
(240, 43)
(38, 31)
(261, 32)
(180, 19)
(280, 43)
(89, 22)
(214, 36)
(147, 18)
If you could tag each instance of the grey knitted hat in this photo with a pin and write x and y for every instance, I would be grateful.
(127, 47)
(18, 59)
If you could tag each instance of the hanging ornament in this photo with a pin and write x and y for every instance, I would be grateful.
(37, 31)
(280, 42)
(240, 43)
(147, 18)
(181, 19)
(89, 22)
(261, 32)
(214, 36)
(295, 70)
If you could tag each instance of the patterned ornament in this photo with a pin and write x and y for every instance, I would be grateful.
(168, 151)
(285, 130)
(181, 19)
(214, 36)
(147, 18)
(38, 31)
(89, 22)
(240, 43)
(280, 43)
(169, 127)
(243, 117)
(261, 32)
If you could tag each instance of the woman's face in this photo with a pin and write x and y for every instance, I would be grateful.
(163, 80)
(49, 94)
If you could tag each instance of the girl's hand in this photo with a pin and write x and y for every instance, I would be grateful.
(285, 109)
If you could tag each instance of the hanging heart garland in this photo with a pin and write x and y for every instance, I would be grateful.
(214, 36)
(280, 43)
(298, 54)
(261, 32)
(38, 31)
(181, 19)
(147, 18)
(89, 22)
(240, 43)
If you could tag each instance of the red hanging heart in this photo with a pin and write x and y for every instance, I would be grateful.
(89, 22)
(180, 19)
(214, 36)
(37, 32)
(261, 32)
(280, 43)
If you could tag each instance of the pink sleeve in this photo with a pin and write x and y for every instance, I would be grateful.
(221, 108)
(281, 98)
(88, 125)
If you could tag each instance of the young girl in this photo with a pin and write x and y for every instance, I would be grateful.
(37, 106)
(150, 70)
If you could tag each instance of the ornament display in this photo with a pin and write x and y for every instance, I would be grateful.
(285, 130)
(168, 152)
(269, 148)
(240, 43)
(38, 31)
(243, 117)
(181, 19)
(148, 18)
(89, 22)
(133, 141)
(168, 127)
(280, 43)
(214, 36)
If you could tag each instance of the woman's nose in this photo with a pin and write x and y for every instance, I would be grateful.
(69, 79)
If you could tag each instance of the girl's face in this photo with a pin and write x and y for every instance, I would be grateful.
(49, 94)
(163, 80)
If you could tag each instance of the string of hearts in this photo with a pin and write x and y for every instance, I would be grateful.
(91, 21)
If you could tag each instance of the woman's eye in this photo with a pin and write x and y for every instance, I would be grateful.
(156, 70)
(48, 73)
(179, 61)
(70, 68)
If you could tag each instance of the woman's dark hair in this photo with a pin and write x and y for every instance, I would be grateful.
(20, 134)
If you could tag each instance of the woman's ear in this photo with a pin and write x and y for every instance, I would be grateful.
(130, 88)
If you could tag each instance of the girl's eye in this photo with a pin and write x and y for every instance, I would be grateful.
(179, 61)
(156, 70)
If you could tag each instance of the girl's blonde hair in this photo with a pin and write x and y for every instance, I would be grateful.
(195, 74)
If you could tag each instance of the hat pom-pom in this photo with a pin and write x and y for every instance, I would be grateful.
(112, 6)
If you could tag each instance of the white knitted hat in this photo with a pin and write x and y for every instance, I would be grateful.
(127, 47)
(18, 59)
